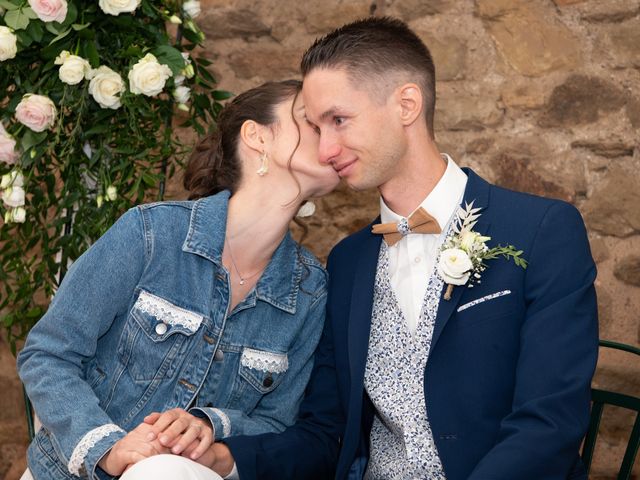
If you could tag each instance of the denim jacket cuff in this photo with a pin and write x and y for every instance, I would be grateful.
(219, 420)
(91, 448)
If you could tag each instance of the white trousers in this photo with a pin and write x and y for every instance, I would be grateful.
(169, 467)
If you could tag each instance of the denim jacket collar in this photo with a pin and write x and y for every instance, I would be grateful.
(280, 281)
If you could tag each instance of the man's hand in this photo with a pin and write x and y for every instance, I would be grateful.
(184, 434)
(131, 449)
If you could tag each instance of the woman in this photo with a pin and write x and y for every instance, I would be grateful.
(205, 306)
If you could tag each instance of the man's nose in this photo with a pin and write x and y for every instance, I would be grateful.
(328, 149)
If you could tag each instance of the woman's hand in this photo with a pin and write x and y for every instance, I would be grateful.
(131, 449)
(183, 433)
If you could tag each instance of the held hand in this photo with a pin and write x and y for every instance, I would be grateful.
(183, 433)
(130, 449)
(218, 458)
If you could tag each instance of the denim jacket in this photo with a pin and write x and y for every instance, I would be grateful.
(141, 324)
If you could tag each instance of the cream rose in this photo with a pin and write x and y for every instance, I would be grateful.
(12, 179)
(181, 94)
(469, 238)
(105, 87)
(8, 45)
(116, 7)
(148, 76)
(191, 8)
(36, 112)
(13, 196)
(49, 10)
(73, 69)
(8, 153)
(454, 266)
(15, 215)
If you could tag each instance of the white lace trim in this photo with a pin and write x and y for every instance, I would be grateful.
(264, 361)
(167, 312)
(87, 443)
(226, 423)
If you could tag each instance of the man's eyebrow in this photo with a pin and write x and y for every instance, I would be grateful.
(329, 113)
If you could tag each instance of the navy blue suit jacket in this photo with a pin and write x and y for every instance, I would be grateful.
(507, 382)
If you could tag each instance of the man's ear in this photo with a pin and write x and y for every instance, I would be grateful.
(410, 100)
(253, 135)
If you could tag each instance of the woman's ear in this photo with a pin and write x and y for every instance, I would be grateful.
(410, 101)
(253, 135)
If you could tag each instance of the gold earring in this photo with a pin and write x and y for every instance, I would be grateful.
(264, 164)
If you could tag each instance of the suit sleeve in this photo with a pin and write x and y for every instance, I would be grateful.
(558, 353)
(309, 448)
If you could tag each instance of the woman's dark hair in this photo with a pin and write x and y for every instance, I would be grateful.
(214, 165)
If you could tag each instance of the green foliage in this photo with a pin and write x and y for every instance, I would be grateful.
(69, 168)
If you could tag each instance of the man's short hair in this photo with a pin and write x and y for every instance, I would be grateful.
(372, 49)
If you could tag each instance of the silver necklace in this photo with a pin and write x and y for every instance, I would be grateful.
(235, 267)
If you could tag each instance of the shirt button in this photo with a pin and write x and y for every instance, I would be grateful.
(161, 328)
(417, 259)
(219, 355)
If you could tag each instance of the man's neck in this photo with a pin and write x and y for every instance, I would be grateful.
(420, 173)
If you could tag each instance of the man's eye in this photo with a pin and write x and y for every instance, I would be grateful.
(338, 120)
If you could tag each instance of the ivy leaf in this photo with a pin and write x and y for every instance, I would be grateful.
(16, 19)
(171, 57)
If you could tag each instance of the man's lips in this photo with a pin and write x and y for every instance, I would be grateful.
(343, 168)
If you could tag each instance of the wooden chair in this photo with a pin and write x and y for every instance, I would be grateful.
(600, 398)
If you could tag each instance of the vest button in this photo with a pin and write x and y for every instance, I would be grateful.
(267, 381)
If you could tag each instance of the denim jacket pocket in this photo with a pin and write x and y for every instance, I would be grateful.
(264, 370)
(157, 336)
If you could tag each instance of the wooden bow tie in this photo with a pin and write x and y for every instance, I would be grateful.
(418, 222)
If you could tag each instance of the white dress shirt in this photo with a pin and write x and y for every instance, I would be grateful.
(412, 260)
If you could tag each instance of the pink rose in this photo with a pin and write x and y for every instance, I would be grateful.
(50, 10)
(36, 112)
(8, 152)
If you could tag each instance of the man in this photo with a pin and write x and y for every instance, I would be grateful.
(417, 375)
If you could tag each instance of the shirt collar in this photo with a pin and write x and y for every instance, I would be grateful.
(279, 283)
(442, 201)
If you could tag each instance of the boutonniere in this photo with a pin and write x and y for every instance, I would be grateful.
(464, 252)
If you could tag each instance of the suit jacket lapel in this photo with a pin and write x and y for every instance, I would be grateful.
(361, 305)
(476, 191)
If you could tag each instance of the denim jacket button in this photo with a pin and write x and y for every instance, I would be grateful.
(161, 328)
(267, 381)
(219, 355)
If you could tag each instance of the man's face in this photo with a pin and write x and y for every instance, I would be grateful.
(360, 136)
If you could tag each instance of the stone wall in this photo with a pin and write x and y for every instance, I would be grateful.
(541, 96)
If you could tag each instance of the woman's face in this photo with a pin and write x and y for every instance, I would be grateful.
(315, 179)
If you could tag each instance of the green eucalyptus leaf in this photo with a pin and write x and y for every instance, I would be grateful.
(171, 57)
(16, 19)
(60, 37)
(77, 27)
(7, 5)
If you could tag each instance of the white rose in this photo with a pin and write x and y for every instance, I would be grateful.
(73, 68)
(12, 179)
(105, 87)
(111, 193)
(36, 112)
(8, 46)
(13, 196)
(15, 215)
(148, 76)
(454, 266)
(49, 10)
(8, 153)
(116, 7)
(181, 94)
(191, 8)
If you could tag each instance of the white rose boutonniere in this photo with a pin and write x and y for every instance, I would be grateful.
(464, 252)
